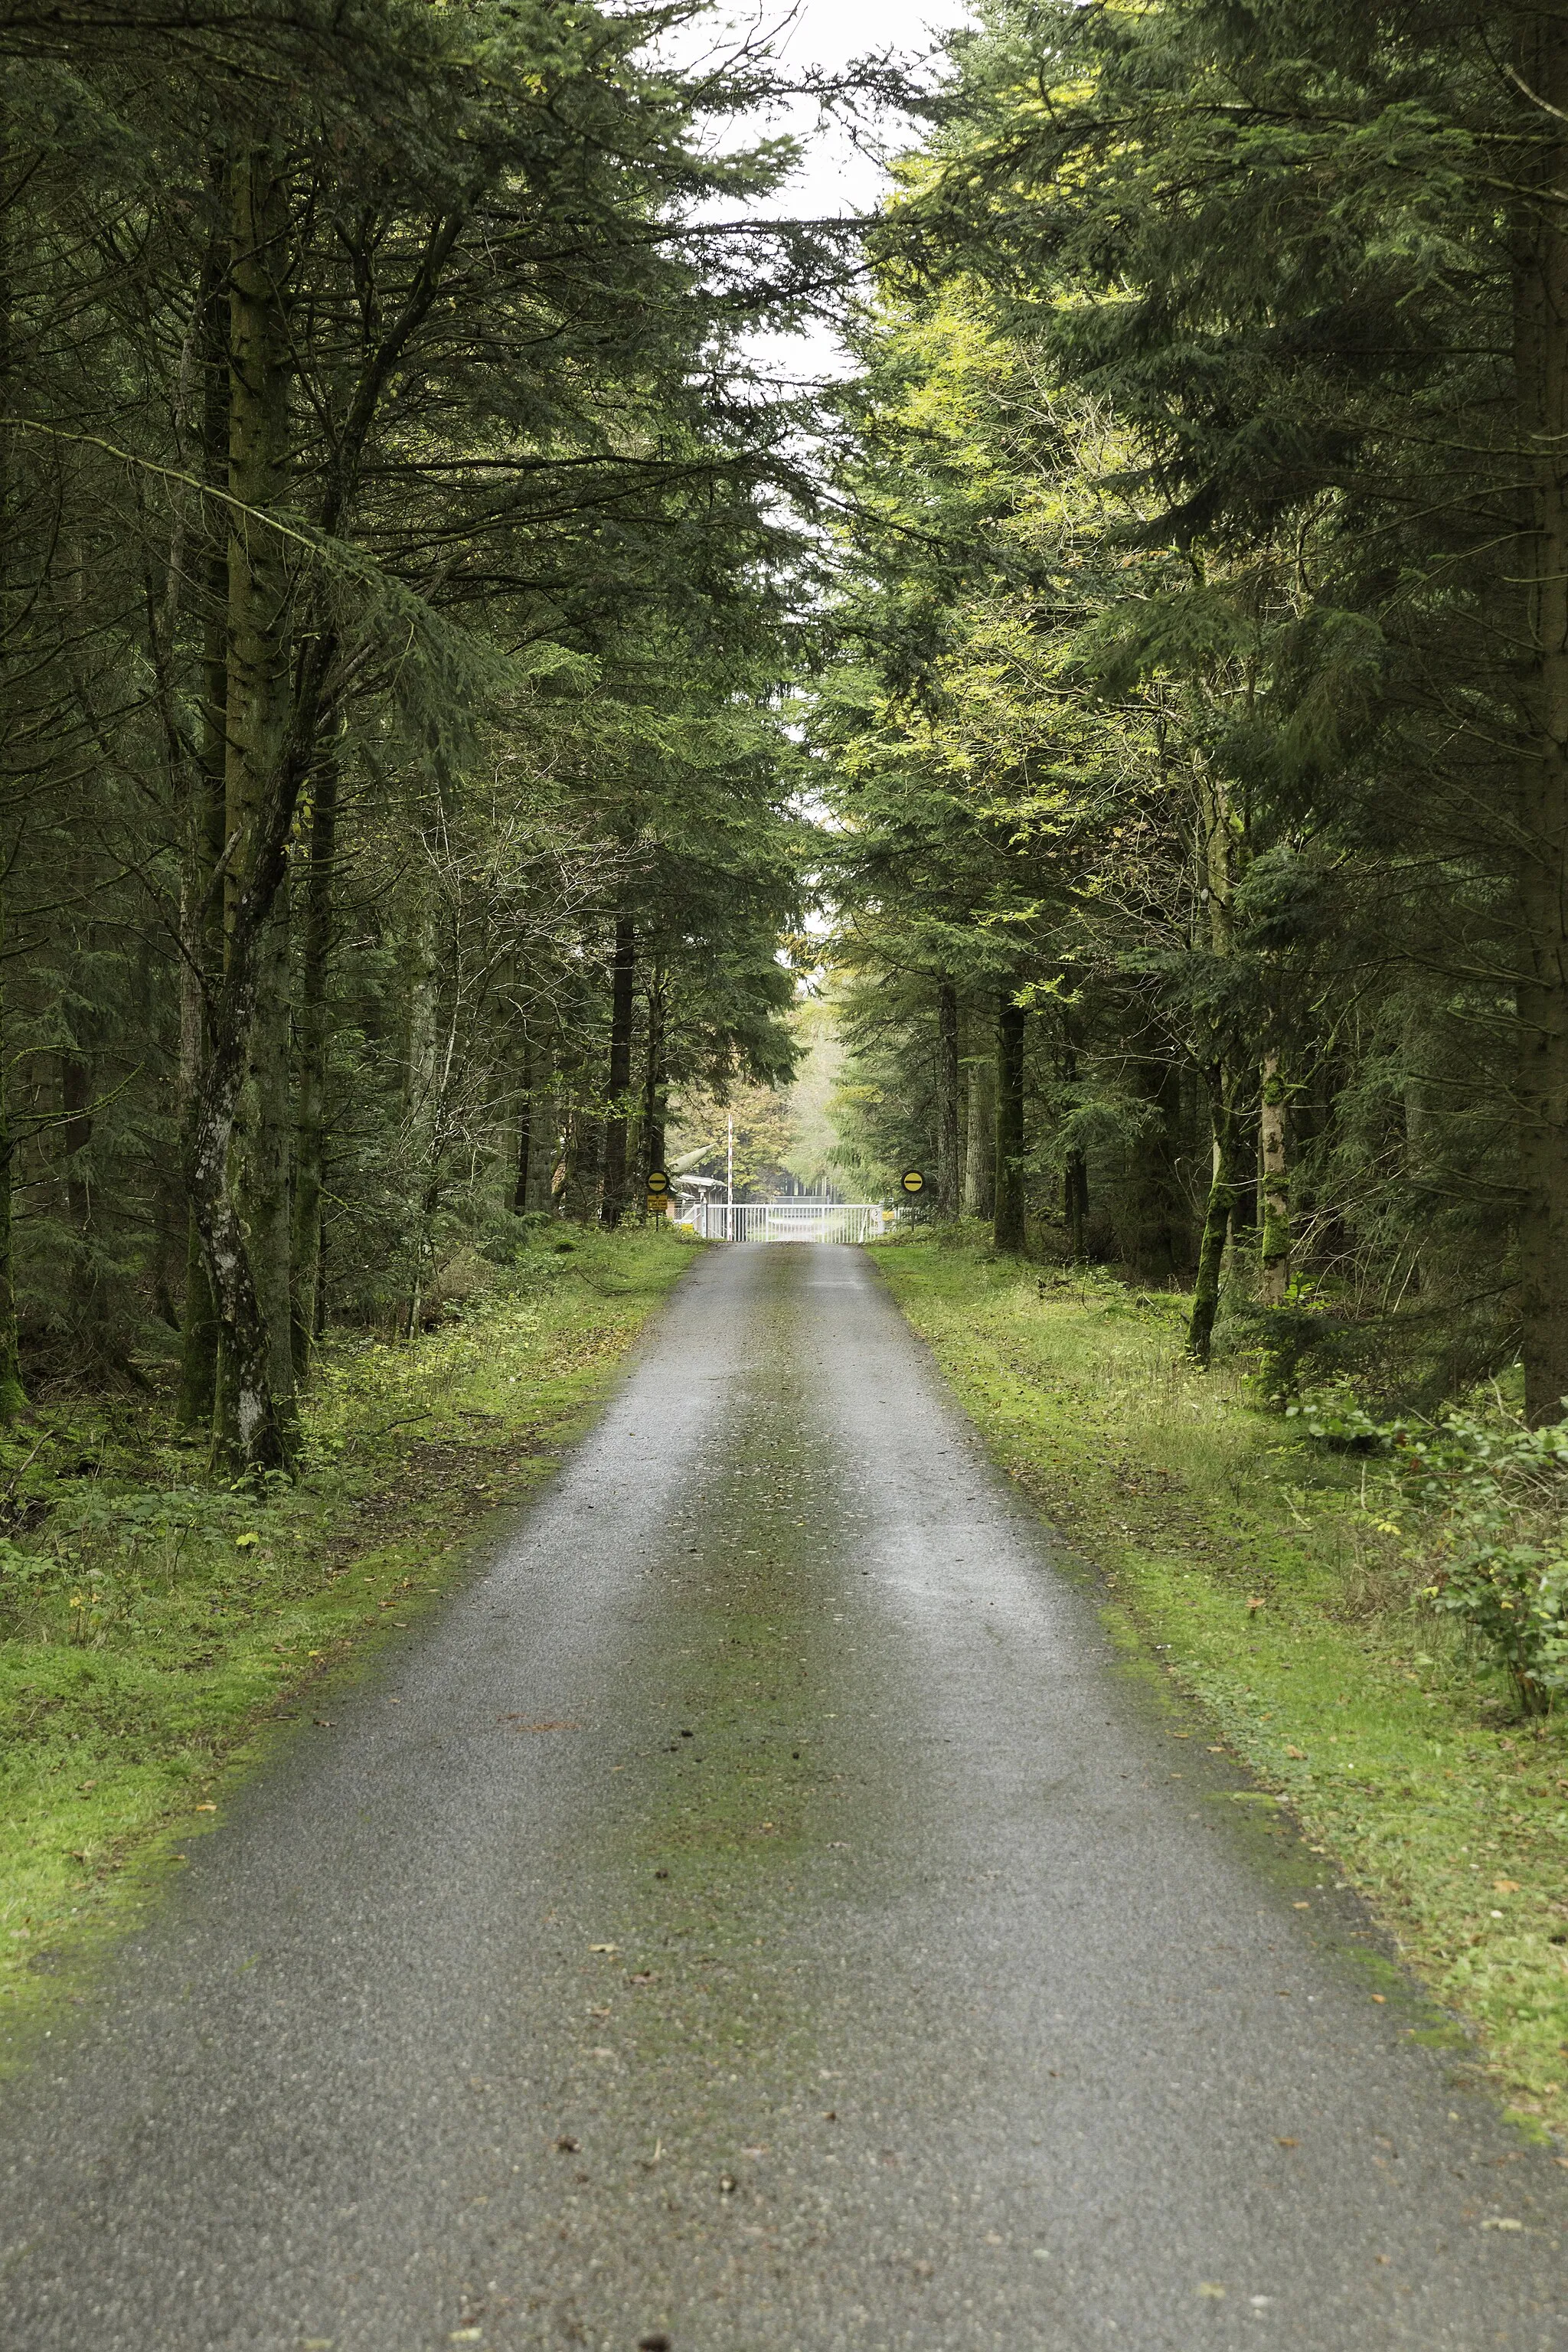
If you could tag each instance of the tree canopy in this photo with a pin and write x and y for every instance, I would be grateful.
(441, 669)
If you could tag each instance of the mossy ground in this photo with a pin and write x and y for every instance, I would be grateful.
(156, 1622)
(1281, 1585)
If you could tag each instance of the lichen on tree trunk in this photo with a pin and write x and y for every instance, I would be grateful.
(1274, 1284)
(623, 1007)
(980, 1118)
(311, 1126)
(1216, 1220)
(1008, 1224)
(948, 1172)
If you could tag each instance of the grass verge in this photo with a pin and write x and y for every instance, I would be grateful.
(154, 1622)
(1281, 1585)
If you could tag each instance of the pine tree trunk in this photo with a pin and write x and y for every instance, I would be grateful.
(1217, 1222)
(258, 707)
(13, 1396)
(980, 1140)
(652, 1092)
(76, 1132)
(948, 1172)
(1075, 1169)
(521, 1191)
(201, 902)
(239, 1203)
(623, 1005)
(1075, 1204)
(1159, 1238)
(1275, 1259)
(584, 1167)
(310, 1146)
(1008, 1224)
(1540, 307)
(544, 1134)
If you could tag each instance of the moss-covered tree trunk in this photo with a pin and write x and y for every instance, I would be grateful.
(311, 1133)
(980, 1120)
(1075, 1204)
(653, 1089)
(524, 1178)
(201, 898)
(1007, 1226)
(622, 1013)
(543, 1130)
(1540, 356)
(1216, 1220)
(238, 1153)
(1275, 1254)
(949, 1172)
(13, 1396)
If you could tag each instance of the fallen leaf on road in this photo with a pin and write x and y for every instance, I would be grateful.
(1285, 2143)
(1207, 2286)
(604, 1948)
(206, 1809)
(567, 2147)
(1502, 2225)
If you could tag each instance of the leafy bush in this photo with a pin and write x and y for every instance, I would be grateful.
(1500, 1494)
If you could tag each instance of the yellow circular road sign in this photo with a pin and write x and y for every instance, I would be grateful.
(657, 1182)
(912, 1180)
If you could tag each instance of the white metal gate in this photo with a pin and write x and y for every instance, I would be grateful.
(790, 1221)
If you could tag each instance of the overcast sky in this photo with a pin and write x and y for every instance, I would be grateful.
(837, 177)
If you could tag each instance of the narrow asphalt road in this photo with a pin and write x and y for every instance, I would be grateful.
(761, 1914)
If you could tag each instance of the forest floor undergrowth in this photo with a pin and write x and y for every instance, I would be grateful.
(1281, 1585)
(155, 1622)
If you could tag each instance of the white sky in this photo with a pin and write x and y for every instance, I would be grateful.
(837, 177)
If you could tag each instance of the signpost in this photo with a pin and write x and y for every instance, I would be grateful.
(657, 1191)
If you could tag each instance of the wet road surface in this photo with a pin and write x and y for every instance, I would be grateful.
(760, 1914)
